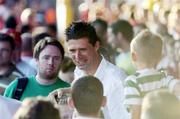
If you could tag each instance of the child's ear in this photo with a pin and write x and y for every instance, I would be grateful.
(134, 56)
(104, 101)
(70, 102)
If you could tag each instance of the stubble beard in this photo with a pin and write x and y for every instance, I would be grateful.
(48, 77)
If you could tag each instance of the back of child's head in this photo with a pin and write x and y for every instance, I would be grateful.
(87, 95)
(147, 47)
(37, 108)
(160, 104)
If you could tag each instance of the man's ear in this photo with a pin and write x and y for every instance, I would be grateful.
(97, 45)
(104, 101)
(71, 102)
(134, 56)
(37, 60)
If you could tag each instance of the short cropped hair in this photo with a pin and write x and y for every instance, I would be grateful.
(39, 37)
(101, 29)
(87, 95)
(160, 104)
(11, 22)
(7, 38)
(80, 29)
(47, 41)
(102, 24)
(148, 47)
(37, 108)
(123, 27)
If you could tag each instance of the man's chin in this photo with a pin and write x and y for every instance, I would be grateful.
(50, 77)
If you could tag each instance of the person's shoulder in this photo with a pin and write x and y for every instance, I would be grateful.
(31, 77)
(132, 77)
(112, 73)
(131, 80)
(156, 74)
(112, 67)
(144, 77)
(60, 81)
(13, 83)
(10, 88)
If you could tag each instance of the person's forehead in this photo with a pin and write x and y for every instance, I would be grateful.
(78, 41)
(51, 49)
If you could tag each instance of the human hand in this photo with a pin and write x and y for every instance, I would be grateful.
(58, 94)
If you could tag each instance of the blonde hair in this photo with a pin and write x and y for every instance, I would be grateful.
(148, 47)
(160, 104)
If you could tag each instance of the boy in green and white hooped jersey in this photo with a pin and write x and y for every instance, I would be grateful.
(146, 52)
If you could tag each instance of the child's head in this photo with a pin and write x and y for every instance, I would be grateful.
(160, 104)
(87, 96)
(146, 49)
(37, 108)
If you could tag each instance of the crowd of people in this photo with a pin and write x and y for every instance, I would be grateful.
(118, 62)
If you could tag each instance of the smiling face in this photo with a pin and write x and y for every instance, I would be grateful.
(49, 62)
(83, 54)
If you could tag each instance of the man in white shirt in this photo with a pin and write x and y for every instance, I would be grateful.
(83, 45)
(8, 107)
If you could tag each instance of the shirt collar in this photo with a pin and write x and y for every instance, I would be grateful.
(100, 70)
(142, 71)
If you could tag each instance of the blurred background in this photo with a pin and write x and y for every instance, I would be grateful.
(53, 16)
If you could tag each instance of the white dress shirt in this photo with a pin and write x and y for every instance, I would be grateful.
(8, 107)
(112, 79)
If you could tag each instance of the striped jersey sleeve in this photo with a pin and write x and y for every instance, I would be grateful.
(132, 92)
(136, 87)
(170, 82)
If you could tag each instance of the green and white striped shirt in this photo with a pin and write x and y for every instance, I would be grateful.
(147, 80)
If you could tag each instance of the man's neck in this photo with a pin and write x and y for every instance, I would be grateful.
(43, 81)
(95, 66)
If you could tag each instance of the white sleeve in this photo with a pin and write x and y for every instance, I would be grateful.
(4, 113)
(8, 107)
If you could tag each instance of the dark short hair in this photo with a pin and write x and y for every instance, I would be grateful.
(47, 41)
(25, 28)
(11, 22)
(123, 27)
(38, 37)
(81, 29)
(101, 28)
(87, 95)
(102, 23)
(7, 38)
